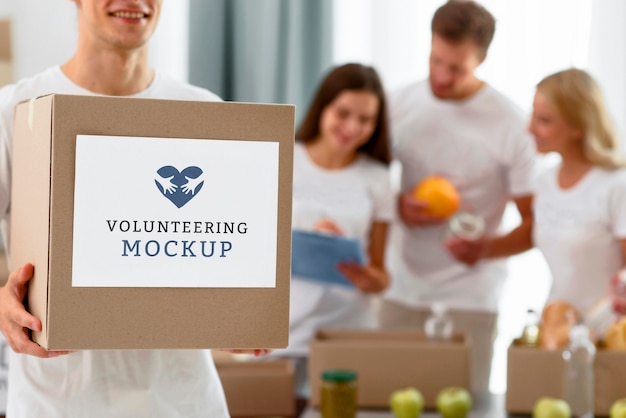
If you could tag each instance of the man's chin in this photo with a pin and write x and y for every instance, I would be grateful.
(441, 92)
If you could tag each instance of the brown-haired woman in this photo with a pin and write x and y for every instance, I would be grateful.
(341, 186)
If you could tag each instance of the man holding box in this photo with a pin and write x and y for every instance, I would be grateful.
(111, 59)
(455, 126)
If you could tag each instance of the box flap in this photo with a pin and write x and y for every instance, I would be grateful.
(331, 336)
(30, 201)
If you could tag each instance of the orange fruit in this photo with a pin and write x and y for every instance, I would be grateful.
(442, 197)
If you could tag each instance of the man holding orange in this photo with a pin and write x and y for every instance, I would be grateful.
(457, 127)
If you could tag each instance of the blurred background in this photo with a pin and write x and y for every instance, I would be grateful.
(276, 51)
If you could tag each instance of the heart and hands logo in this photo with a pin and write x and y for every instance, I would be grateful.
(179, 186)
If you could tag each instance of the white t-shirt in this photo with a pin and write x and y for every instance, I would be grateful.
(108, 383)
(481, 145)
(578, 231)
(353, 197)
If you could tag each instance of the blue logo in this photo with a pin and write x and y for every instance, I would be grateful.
(179, 186)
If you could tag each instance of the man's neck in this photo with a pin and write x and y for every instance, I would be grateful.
(110, 73)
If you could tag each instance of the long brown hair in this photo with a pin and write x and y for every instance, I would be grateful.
(356, 77)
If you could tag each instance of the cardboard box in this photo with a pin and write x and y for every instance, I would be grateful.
(535, 372)
(386, 361)
(532, 373)
(257, 388)
(154, 223)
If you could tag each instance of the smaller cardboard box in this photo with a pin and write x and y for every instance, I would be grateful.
(257, 388)
(535, 372)
(609, 370)
(531, 374)
(386, 361)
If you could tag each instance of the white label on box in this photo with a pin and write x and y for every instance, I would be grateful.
(163, 212)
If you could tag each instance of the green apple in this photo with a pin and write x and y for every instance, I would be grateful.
(618, 409)
(454, 402)
(547, 407)
(407, 403)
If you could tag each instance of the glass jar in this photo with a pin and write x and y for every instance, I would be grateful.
(467, 226)
(338, 394)
(532, 329)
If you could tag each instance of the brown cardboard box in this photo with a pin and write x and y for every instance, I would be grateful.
(386, 361)
(188, 299)
(535, 372)
(257, 388)
(609, 369)
(6, 57)
(532, 373)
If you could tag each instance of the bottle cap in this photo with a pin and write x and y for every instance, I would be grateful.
(339, 375)
(579, 332)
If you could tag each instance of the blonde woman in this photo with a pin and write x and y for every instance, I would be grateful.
(579, 205)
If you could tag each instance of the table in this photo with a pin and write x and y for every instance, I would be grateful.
(494, 407)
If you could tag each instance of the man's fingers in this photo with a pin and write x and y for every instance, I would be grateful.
(25, 320)
(20, 342)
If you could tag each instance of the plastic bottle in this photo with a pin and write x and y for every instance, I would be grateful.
(579, 385)
(531, 331)
(439, 325)
(601, 316)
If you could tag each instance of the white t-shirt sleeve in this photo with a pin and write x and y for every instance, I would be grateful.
(384, 201)
(617, 205)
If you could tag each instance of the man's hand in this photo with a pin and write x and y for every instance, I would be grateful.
(259, 352)
(15, 321)
(413, 211)
(467, 252)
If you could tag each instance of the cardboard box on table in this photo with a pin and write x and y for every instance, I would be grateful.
(535, 372)
(154, 223)
(257, 387)
(386, 361)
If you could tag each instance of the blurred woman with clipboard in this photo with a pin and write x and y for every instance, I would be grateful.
(341, 196)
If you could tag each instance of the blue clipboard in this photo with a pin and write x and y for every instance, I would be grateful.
(316, 255)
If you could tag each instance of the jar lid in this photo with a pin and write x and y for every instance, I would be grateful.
(339, 375)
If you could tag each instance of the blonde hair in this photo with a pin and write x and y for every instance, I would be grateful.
(579, 99)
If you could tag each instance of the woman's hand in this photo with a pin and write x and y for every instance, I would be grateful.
(368, 279)
(413, 211)
(15, 321)
(327, 226)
